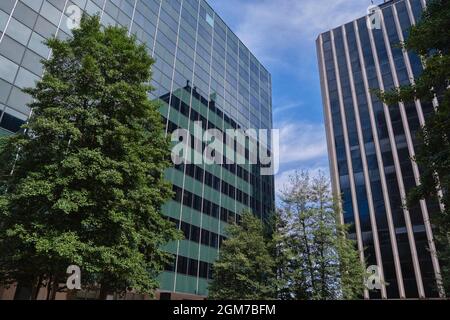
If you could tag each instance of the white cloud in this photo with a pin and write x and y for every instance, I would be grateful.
(269, 27)
(286, 107)
(301, 141)
(303, 146)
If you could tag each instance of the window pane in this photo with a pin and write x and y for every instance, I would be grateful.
(8, 69)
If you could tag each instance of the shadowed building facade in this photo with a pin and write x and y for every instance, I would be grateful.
(203, 72)
(371, 144)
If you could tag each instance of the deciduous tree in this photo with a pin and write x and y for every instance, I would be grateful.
(245, 268)
(84, 184)
(323, 261)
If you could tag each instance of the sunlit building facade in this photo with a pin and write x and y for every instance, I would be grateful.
(203, 72)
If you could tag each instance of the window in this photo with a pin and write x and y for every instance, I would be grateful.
(197, 203)
(185, 228)
(18, 31)
(8, 69)
(44, 28)
(26, 79)
(10, 121)
(187, 199)
(19, 100)
(5, 89)
(170, 266)
(214, 240)
(12, 49)
(214, 210)
(50, 13)
(195, 233)
(193, 267)
(210, 20)
(182, 265)
(178, 193)
(37, 45)
(3, 20)
(205, 237)
(203, 270)
(32, 62)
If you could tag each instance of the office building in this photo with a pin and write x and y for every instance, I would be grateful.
(202, 72)
(371, 144)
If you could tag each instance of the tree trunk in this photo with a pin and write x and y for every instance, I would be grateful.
(308, 249)
(35, 288)
(49, 288)
(54, 285)
(103, 292)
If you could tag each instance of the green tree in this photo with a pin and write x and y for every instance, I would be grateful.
(282, 253)
(245, 268)
(85, 183)
(323, 262)
(430, 38)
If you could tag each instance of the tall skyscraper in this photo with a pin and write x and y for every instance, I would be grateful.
(203, 72)
(371, 144)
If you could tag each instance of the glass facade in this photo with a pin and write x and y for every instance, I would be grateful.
(203, 72)
(371, 145)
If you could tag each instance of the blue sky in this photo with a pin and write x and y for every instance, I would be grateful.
(282, 34)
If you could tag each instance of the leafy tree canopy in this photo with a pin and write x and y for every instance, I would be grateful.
(318, 259)
(88, 172)
(245, 268)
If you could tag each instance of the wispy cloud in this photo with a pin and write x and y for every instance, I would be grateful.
(301, 141)
(269, 27)
(286, 107)
(302, 147)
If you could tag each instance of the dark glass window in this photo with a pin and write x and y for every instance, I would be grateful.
(11, 123)
(182, 264)
(205, 237)
(193, 267)
(195, 233)
(203, 272)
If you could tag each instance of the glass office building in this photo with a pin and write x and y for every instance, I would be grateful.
(371, 145)
(203, 72)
